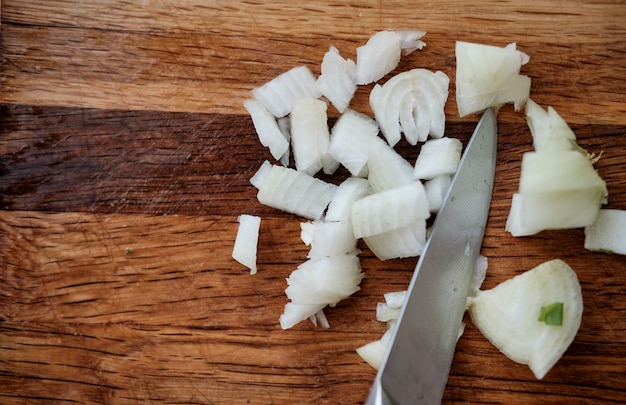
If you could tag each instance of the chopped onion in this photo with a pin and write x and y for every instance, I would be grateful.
(410, 41)
(387, 168)
(352, 137)
(284, 125)
(390, 209)
(438, 157)
(337, 81)
(558, 190)
(608, 232)
(436, 190)
(385, 313)
(246, 241)
(508, 315)
(279, 94)
(267, 129)
(559, 187)
(381, 54)
(310, 136)
(293, 191)
(316, 284)
(405, 241)
(395, 299)
(412, 103)
(548, 129)
(350, 190)
(328, 238)
(489, 76)
(374, 352)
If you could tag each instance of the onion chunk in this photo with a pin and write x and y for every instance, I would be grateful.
(509, 315)
(245, 248)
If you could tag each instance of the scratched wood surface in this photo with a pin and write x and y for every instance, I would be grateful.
(125, 158)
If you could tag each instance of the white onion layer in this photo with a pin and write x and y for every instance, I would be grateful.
(352, 137)
(294, 192)
(267, 129)
(310, 136)
(337, 81)
(246, 241)
(608, 232)
(390, 209)
(438, 157)
(508, 315)
(278, 94)
(412, 103)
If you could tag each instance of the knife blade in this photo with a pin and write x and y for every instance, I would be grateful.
(417, 363)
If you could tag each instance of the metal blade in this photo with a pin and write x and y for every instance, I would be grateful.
(415, 369)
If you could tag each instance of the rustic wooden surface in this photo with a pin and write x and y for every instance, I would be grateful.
(125, 155)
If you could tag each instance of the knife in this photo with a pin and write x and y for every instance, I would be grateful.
(416, 366)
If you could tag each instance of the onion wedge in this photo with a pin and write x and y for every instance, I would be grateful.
(509, 315)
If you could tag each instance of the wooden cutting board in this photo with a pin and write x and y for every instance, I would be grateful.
(125, 158)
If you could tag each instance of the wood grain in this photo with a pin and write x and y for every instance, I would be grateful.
(125, 159)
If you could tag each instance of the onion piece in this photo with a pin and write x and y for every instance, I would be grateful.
(608, 232)
(350, 190)
(385, 313)
(278, 94)
(328, 238)
(246, 241)
(374, 352)
(293, 191)
(310, 136)
(395, 299)
(410, 41)
(557, 190)
(489, 76)
(351, 139)
(436, 191)
(284, 125)
(404, 241)
(387, 169)
(390, 209)
(318, 283)
(438, 157)
(381, 54)
(412, 103)
(337, 81)
(267, 129)
(508, 315)
(549, 130)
